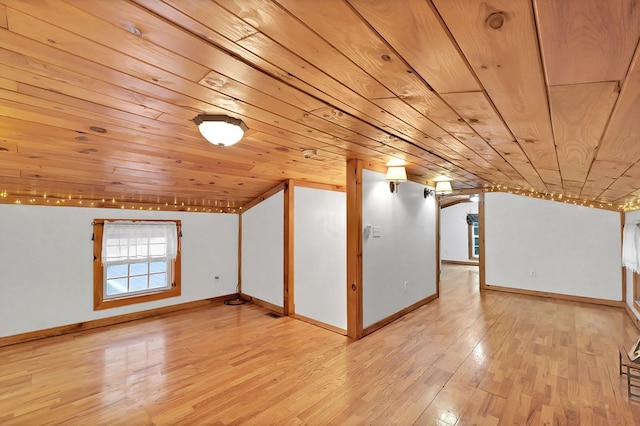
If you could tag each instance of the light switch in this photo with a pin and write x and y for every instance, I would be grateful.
(377, 232)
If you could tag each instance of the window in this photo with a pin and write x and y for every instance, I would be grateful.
(135, 261)
(474, 237)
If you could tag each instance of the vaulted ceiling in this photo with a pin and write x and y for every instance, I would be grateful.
(97, 97)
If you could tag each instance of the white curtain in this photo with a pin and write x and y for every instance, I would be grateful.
(126, 240)
(631, 247)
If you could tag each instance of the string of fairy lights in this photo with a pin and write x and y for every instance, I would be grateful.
(219, 207)
(188, 206)
(560, 198)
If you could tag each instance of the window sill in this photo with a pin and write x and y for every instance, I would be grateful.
(100, 304)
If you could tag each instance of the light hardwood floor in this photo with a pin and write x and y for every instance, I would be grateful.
(466, 358)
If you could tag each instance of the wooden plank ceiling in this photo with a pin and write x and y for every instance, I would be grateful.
(97, 97)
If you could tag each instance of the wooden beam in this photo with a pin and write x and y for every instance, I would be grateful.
(261, 198)
(481, 258)
(354, 249)
(288, 265)
(624, 270)
(437, 225)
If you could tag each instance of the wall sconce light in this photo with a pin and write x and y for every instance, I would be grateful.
(429, 192)
(474, 198)
(395, 175)
(443, 188)
(220, 130)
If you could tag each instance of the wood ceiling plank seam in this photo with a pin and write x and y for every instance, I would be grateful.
(191, 25)
(302, 41)
(523, 168)
(94, 29)
(626, 101)
(407, 65)
(3, 16)
(23, 76)
(167, 35)
(411, 44)
(8, 84)
(141, 124)
(607, 175)
(397, 134)
(118, 157)
(436, 137)
(580, 108)
(387, 130)
(227, 25)
(42, 32)
(292, 79)
(324, 168)
(142, 96)
(473, 150)
(426, 83)
(55, 119)
(486, 56)
(545, 77)
(183, 157)
(387, 142)
(345, 138)
(118, 133)
(362, 44)
(61, 98)
(610, 187)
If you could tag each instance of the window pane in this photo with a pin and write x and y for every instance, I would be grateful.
(116, 271)
(138, 283)
(139, 268)
(158, 280)
(118, 286)
(156, 267)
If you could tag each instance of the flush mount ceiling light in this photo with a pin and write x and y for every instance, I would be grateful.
(220, 130)
(395, 175)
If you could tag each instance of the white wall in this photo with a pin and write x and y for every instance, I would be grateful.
(571, 250)
(46, 263)
(405, 250)
(631, 218)
(320, 246)
(263, 250)
(454, 231)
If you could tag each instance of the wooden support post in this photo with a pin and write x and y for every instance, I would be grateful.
(289, 301)
(481, 231)
(354, 249)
